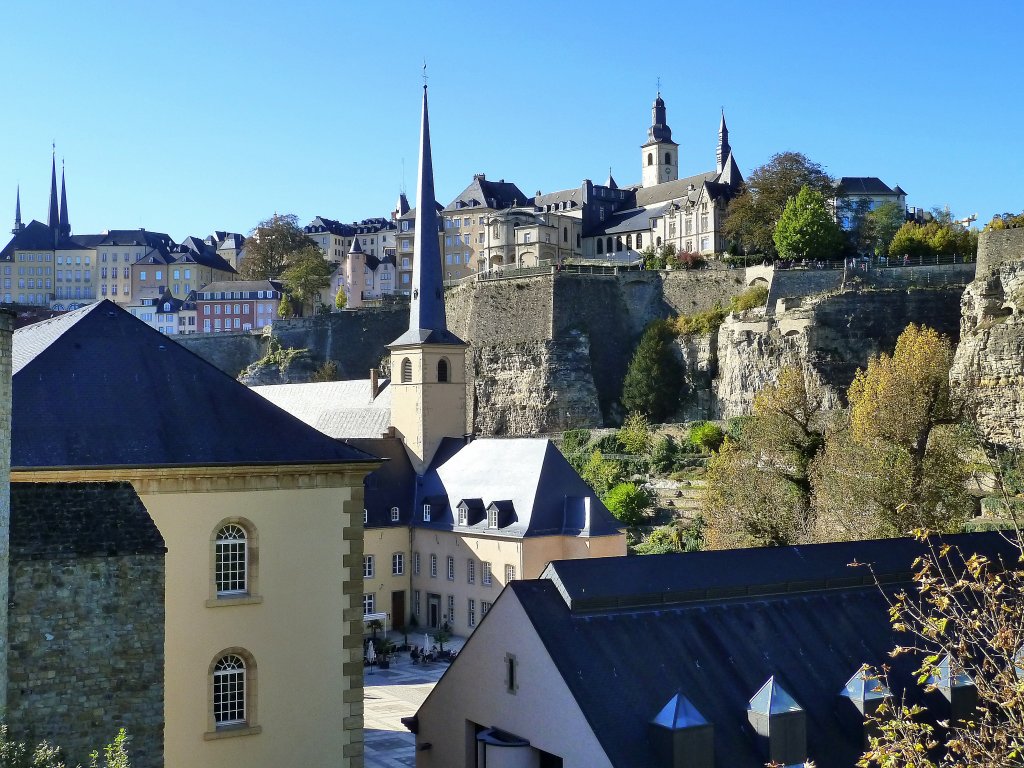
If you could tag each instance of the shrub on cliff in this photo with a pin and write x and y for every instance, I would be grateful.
(755, 296)
(635, 434)
(628, 502)
(575, 440)
(655, 376)
(707, 436)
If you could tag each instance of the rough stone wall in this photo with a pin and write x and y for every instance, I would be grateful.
(831, 336)
(999, 247)
(6, 331)
(86, 643)
(988, 369)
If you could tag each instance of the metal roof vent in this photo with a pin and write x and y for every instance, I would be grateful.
(681, 737)
(865, 689)
(780, 723)
(957, 686)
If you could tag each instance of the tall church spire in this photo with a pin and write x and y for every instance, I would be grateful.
(18, 226)
(722, 154)
(65, 225)
(53, 219)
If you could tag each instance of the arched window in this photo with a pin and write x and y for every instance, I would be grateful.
(629, 242)
(232, 561)
(639, 240)
(442, 370)
(608, 245)
(232, 702)
(618, 243)
(668, 158)
(650, 158)
(406, 370)
(565, 234)
(579, 239)
(600, 245)
(659, 242)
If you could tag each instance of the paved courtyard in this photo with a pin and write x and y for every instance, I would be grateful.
(388, 696)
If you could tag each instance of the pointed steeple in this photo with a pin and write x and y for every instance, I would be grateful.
(65, 226)
(659, 130)
(427, 322)
(53, 219)
(611, 180)
(18, 226)
(722, 154)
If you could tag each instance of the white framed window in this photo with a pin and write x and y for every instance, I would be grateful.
(394, 514)
(462, 516)
(366, 517)
(510, 573)
(485, 576)
(416, 602)
(368, 566)
(484, 608)
(426, 513)
(492, 518)
(416, 563)
(470, 571)
(232, 560)
(451, 608)
(229, 691)
(433, 566)
(369, 603)
(471, 612)
(451, 568)
(398, 564)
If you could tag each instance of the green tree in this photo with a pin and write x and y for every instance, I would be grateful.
(600, 473)
(655, 376)
(707, 436)
(327, 372)
(284, 309)
(897, 462)
(307, 275)
(758, 485)
(752, 214)
(270, 245)
(881, 225)
(115, 755)
(635, 434)
(664, 454)
(628, 502)
(806, 229)
(910, 240)
(341, 298)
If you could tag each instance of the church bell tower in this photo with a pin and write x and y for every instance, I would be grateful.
(660, 155)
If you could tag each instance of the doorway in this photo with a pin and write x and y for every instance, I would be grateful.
(434, 611)
(398, 609)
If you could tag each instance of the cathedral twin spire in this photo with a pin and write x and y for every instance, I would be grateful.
(57, 217)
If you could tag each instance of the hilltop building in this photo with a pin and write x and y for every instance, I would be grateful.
(449, 520)
(468, 221)
(727, 659)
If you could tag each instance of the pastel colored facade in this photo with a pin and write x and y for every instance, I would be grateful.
(364, 254)
(238, 305)
(116, 252)
(523, 237)
(466, 221)
(263, 659)
(167, 314)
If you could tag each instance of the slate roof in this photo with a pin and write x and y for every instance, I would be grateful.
(98, 388)
(339, 409)
(482, 193)
(863, 185)
(58, 520)
(334, 227)
(715, 626)
(636, 219)
(546, 494)
(393, 485)
(36, 236)
(574, 198)
(156, 240)
(241, 286)
(671, 190)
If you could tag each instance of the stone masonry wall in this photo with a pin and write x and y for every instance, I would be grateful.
(998, 247)
(86, 643)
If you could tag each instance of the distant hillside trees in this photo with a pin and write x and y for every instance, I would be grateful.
(806, 229)
(753, 214)
(272, 243)
(939, 237)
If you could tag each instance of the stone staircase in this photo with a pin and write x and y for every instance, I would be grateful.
(676, 499)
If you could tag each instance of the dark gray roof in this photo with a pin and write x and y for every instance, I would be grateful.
(36, 236)
(157, 240)
(715, 626)
(239, 286)
(635, 220)
(482, 193)
(672, 190)
(538, 489)
(393, 485)
(98, 388)
(863, 185)
(51, 520)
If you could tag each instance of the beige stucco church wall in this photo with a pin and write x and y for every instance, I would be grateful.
(541, 710)
(382, 543)
(293, 627)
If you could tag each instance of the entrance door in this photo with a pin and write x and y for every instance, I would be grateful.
(434, 611)
(398, 609)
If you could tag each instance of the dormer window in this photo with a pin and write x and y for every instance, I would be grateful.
(426, 513)
(394, 514)
(492, 517)
(462, 515)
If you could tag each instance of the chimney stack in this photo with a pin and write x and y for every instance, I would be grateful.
(374, 391)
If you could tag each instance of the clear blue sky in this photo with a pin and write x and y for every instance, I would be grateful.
(185, 117)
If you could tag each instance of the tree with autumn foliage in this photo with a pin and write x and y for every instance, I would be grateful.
(758, 486)
(271, 245)
(897, 460)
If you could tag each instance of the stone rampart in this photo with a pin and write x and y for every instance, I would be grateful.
(997, 247)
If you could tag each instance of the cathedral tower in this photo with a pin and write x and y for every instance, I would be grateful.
(660, 155)
(428, 362)
(722, 153)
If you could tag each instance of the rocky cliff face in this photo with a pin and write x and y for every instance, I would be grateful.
(829, 336)
(988, 369)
